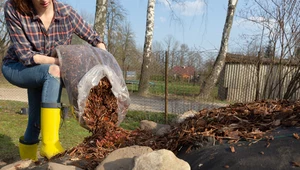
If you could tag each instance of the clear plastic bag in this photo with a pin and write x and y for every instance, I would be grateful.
(82, 68)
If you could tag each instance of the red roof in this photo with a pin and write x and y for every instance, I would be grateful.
(188, 70)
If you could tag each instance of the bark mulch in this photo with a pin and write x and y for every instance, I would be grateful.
(249, 122)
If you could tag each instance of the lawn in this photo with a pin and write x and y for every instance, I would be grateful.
(13, 124)
(174, 88)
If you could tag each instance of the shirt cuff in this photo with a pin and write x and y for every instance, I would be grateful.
(97, 41)
(32, 61)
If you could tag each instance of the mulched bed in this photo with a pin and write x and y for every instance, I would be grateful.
(241, 121)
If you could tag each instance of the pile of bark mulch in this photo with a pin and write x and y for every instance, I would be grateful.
(249, 121)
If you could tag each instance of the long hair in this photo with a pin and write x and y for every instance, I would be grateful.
(23, 6)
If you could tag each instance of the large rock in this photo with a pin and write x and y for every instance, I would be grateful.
(160, 160)
(122, 159)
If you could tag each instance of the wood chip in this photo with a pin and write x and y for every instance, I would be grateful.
(232, 149)
(296, 164)
(249, 121)
(296, 135)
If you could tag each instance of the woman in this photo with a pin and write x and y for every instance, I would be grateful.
(36, 27)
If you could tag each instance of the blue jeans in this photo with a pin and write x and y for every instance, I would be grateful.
(41, 87)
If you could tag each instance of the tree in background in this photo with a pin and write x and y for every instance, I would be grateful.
(126, 46)
(183, 52)
(4, 38)
(171, 46)
(269, 51)
(116, 15)
(281, 19)
(100, 17)
(145, 75)
(110, 18)
(211, 80)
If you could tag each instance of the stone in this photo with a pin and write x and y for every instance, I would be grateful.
(148, 125)
(122, 159)
(160, 160)
(2, 164)
(56, 166)
(156, 128)
(181, 118)
(23, 164)
(163, 130)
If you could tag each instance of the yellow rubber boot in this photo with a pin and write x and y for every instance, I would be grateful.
(28, 151)
(50, 123)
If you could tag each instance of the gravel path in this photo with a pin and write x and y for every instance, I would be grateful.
(17, 94)
(153, 104)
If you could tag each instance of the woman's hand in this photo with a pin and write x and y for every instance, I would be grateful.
(43, 59)
(56, 61)
(101, 46)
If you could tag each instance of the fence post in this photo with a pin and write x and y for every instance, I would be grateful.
(166, 86)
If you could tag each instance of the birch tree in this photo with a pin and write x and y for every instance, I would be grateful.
(100, 17)
(145, 74)
(211, 80)
(4, 37)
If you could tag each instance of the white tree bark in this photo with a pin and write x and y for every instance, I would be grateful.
(145, 75)
(211, 80)
(100, 17)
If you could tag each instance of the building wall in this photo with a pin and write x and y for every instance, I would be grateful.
(238, 82)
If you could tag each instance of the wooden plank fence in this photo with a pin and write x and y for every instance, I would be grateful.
(238, 81)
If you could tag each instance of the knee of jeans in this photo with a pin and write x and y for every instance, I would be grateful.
(54, 71)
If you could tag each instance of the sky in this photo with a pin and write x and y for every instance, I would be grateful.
(198, 24)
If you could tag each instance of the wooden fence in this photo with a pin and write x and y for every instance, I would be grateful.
(238, 80)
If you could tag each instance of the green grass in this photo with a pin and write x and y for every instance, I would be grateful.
(13, 125)
(175, 88)
(183, 90)
(4, 83)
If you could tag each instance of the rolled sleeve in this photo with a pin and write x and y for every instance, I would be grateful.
(25, 56)
(21, 47)
(84, 30)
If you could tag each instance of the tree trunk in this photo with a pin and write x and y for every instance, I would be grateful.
(211, 80)
(145, 74)
(100, 17)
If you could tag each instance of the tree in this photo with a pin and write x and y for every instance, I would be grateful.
(119, 35)
(172, 46)
(126, 44)
(183, 54)
(100, 17)
(281, 21)
(145, 75)
(211, 80)
(269, 51)
(4, 37)
(114, 20)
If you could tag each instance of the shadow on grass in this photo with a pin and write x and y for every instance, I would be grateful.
(9, 151)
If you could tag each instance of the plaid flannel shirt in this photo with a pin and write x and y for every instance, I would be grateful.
(29, 36)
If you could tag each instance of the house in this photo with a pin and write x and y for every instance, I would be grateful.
(183, 72)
